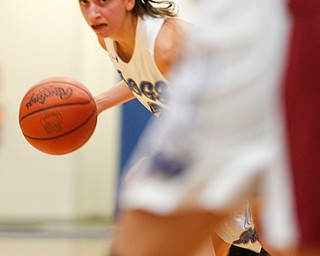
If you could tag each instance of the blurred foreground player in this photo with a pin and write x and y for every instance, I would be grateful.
(222, 139)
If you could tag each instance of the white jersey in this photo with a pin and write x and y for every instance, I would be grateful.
(141, 73)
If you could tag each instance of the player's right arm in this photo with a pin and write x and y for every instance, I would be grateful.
(114, 96)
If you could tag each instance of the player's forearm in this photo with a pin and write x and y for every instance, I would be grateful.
(114, 96)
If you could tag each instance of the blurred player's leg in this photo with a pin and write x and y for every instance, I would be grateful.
(206, 249)
(220, 247)
(144, 234)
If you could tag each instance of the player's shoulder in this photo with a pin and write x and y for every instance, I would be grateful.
(169, 43)
(176, 24)
(172, 30)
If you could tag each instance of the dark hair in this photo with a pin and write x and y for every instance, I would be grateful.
(155, 8)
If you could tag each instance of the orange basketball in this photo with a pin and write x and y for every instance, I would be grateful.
(58, 115)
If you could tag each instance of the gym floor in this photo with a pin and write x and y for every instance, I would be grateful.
(56, 239)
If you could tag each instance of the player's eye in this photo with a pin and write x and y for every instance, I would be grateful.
(103, 1)
(83, 2)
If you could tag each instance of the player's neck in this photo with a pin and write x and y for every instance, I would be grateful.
(126, 43)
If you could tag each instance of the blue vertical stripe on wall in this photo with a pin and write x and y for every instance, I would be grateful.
(134, 117)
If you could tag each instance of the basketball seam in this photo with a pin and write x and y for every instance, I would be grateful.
(69, 132)
(57, 106)
(59, 82)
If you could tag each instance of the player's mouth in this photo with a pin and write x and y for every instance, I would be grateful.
(99, 27)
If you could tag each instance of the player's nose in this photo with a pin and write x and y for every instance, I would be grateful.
(94, 12)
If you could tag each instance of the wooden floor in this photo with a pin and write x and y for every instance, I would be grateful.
(55, 239)
(64, 247)
(63, 239)
(53, 247)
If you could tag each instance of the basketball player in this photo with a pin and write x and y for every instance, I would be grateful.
(302, 105)
(143, 41)
(221, 140)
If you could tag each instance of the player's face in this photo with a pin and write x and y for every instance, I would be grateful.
(105, 17)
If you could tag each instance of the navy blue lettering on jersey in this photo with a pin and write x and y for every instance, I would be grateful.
(154, 92)
(121, 76)
(156, 109)
(133, 86)
(147, 89)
